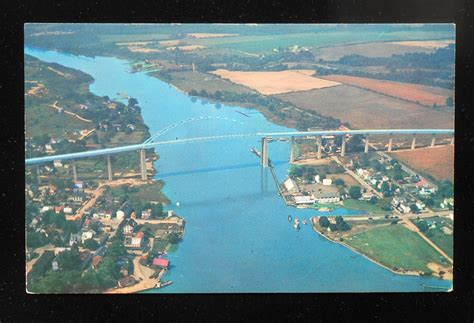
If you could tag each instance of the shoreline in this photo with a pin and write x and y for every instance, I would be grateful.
(397, 272)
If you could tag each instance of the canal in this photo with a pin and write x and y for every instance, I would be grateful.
(238, 238)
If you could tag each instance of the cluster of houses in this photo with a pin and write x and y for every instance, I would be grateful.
(106, 126)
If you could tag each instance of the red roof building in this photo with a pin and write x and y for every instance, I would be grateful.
(161, 262)
(140, 234)
(96, 261)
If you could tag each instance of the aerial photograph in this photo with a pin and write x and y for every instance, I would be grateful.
(239, 158)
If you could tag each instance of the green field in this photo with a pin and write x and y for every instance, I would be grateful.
(265, 43)
(364, 206)
(396, 247)
(198, 81)
(40, 118)
(441, 239)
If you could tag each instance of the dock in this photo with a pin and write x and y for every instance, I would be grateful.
(275, 178)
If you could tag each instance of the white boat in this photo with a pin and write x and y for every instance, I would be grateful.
(177, 204)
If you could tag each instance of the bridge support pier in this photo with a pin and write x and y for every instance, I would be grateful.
(343, 146)
(390, 144)
(413, 143)
(366, 148)
(74, 170)
(264, 152)
(109, 168)
(143, 164)
(292, 151)
(433, 142)
(38, 174)
(320, 143)
(452, 141)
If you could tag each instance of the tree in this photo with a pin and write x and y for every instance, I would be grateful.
(132, 102)
(91, 244)
(373, 200)
(174, 237)
(341, 224)
(324, 222)
(385, 187)
(36, 239)
(69, 259)
(354, 192)
(414, 208)
(339, 182)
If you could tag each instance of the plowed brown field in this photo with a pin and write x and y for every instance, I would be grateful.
(422, 94)
(437, 162)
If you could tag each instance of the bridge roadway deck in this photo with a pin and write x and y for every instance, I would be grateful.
(148, 145)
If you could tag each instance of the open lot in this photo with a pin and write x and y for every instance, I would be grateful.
(276, 82)
(437, 162)
(396, 247)
(422, 94)
(364, 109)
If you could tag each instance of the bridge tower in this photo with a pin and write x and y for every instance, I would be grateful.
(343, 146)
(292, 150)
(390, 143)
(74, 171)
(413, 142)
(109, 168)
(143, 164)
(320, 143)
(264, 152)
(433, 141)
(366, 148)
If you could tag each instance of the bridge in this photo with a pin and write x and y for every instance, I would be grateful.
(265, 138)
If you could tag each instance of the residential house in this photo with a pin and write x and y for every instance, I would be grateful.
(75, 238)
(86, 235)
(67, 210)
(133, 242)
(96, 261)
(161, 262)
(120, 215)
(128, 225)
(146, 214)
(327, 181)
(59, 209)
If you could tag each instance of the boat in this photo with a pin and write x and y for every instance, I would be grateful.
(305, 222)
(243, 114)
(296, 225)
(289, 217)
(177, 204)
(255, 151)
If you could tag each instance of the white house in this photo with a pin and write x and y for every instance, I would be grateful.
(86, 235)
(120, 215)
(327, 181)
(146, 214)
(67, 210)
(302, 199)
(57, 163)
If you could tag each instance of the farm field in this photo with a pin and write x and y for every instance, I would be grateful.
(266, 43)
(372, 49)
(416, 93)
(436, 162)
(396, 246)
(198, 81)
(431, 44)
(364, 109)
(268, 83)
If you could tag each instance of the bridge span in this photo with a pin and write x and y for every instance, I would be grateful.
(265, 137)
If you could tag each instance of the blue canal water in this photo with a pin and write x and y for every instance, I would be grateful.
(238, 238)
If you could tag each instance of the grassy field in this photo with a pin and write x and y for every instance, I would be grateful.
(396, 247)
(422, 94)
(364, 109)
(436, 162)
(441, 239)
(40, 118)
(151, 193)
(372, 49)
(198, 81)
(364, 206)
(265, 43)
